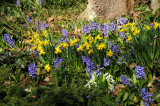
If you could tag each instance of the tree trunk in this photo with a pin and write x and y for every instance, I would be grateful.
(155, 4)
(107, 9)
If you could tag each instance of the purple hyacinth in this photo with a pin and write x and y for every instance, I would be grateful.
(85, 59)
(112, 27)
(106, 29)
(89, 64)
(65, 33)
(6, 37)
(146, 96)
(101, 26)
(123, 57)
(41, 2)
(125, 80)
(106, 62)
(29, 20)
(120, 61)
(11, 42)
(131, 53)
(87, 96)
(122, 36)
(121, 21)
(38, 25)
(98, 72)
(94, 26)
(36, 52)
(140, 72)
(57, 62)
(86, 29)
(114, 47)
(45, 26)
(18, 3)
(32, 69)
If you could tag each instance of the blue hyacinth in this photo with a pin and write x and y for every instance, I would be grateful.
(125, 80)
(57, 62)
(38, 25)
(114, 47)
(112, 27)
(65, 33)
(32, 69)
(101, 26)
(122, 36)
(86, 29)
(36, 52)
(140, 72)
(11, 42)
(41, 2)
(131, 53)
(29, 20)
(106, 62)
(18, 3)
(94, 26)
(45, 26)
(89, 64)
(146, 96)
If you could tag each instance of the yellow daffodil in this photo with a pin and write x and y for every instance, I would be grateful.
(101, 46)
(90, 51)
(147, 27)
(132, 24)
(98, 37)
(80, 47)
(75, 40)
(129, 38)
(46, 42)
(87, 37)
(64, 44)
(132, 29)
(60, 45)
(110, 53)
(136, 32)
(34, 47)
(156, 25)
(88, 46)
(41, 52)
(32, 39)
(57, 50)
(72, 42)
(44, 33)
(47, 68)
(122, 30)
(39, 48)
(36, 35)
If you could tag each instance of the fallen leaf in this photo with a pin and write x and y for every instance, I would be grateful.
(133, 65)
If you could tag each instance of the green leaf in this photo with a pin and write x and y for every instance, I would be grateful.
(42, 72)
(18, 75)
(122, 92)
(38, 71)
(13, 77)
(125, 96)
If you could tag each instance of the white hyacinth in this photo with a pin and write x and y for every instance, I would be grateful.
(91, 82)
(110, 79)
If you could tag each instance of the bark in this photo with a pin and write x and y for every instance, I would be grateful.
(107, 9)
(155, 4)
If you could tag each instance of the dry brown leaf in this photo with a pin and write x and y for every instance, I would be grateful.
(29, 33)
(50, 19)
(133, 65)
(118, 89)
